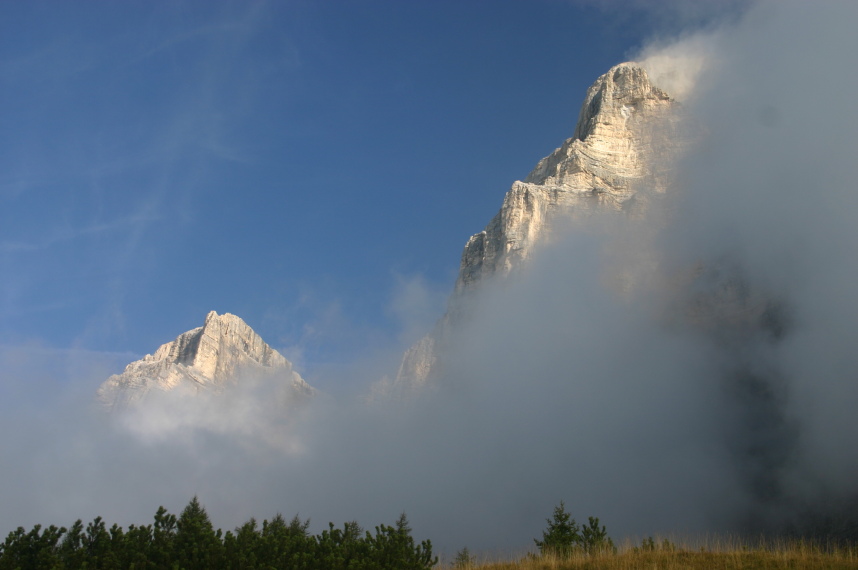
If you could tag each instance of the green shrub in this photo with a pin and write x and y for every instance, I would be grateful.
(464, 559)
(564, 537)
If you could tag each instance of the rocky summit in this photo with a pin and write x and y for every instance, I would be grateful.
(609, 164)
(222, 352)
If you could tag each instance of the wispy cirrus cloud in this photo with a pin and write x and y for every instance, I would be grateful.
(57, 236)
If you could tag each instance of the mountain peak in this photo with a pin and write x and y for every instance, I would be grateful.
(625, 85)
(222, 351)
(605, 151)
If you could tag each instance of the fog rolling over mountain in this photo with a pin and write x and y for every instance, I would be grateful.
(658, 328)
(662, 298)
(630, 334)
(626, 132)
(218, 377)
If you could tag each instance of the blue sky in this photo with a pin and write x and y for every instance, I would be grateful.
(300, 164)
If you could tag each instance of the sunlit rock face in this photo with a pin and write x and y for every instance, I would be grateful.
(223, 351)
(609, 164)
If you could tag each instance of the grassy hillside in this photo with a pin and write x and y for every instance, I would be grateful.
(719, 557)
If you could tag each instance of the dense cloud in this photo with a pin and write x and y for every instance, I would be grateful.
(771, 198)
(716, 393)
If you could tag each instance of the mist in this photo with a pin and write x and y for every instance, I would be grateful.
(714, 393)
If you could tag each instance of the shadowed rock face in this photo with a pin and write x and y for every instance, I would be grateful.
(221, 352)
(607, 165)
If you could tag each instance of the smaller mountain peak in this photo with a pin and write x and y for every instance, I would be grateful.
(223, 319)
(218, 353)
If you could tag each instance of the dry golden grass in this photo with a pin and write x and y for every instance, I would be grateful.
(718, 557)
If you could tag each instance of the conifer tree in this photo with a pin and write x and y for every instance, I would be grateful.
(197, 545)
(562, 536)
(163, 537)
(594, 538)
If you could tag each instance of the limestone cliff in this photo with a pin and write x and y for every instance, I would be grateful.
(608, 164)
(222, 351)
